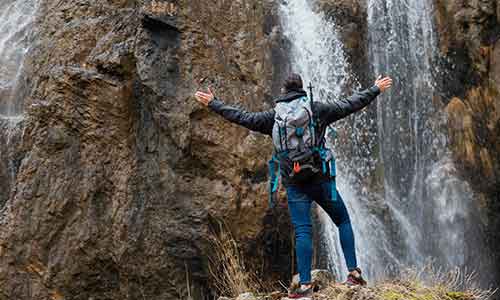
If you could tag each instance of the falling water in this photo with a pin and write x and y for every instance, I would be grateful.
(317, 54)
(420, 179)
(16, 17)
(420, 212)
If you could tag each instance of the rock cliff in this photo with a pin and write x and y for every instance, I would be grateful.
(116, 176)
(122, 172)
(469, 33)
(468, 37)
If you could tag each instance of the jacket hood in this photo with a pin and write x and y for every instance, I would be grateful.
(289, 96)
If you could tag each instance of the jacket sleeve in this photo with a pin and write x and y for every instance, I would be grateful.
(256, 121)
(337, 110)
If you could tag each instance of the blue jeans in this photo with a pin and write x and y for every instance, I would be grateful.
(299, 206)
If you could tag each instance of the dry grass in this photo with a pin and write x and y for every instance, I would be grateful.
(227, 268)
(231, 278)
(426, 284)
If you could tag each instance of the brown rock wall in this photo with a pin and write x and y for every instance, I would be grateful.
(469, 33)
(122, 170)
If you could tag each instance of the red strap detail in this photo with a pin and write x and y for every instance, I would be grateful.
(296, 167)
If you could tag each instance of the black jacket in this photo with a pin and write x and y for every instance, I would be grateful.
(324, 113)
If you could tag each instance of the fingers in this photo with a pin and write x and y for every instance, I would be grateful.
(383, 83)
(381, 77)
(210, 90)
(202, 101)
(202, 94)
(385, 80)
(204, 98)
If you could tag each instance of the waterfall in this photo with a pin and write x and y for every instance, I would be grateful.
(421, 184)
(420, 213)
(317, 54)
(16, 18)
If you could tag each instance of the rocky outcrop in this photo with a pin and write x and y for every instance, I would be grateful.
(350, 18)
(468, 77)
(10, 155)
(122, 171)
(113, 181)
(469, 42)
(405, 288)
(468, 95)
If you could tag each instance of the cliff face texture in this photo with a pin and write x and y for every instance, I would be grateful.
(468, 37)
(121, 172)
(469, 40)
(120, 175)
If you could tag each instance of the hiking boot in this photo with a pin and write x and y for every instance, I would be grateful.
(354, 278)
(301, 293)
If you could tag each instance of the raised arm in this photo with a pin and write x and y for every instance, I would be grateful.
(337, 110)
(256, 121)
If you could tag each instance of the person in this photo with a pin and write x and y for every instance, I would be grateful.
(317, 187)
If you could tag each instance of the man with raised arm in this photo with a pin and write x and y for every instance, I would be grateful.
(298, 127)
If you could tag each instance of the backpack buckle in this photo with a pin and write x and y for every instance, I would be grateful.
(296, 167)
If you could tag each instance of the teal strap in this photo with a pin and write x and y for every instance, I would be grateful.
(333, 168)
(333, 133)
(299, 131)
(323, 152)
(312, 126)
(334, 190)
(274, 167)
(322, 155)
(333, 174)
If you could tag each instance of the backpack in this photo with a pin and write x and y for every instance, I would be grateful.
(294, 137)
(295, 143)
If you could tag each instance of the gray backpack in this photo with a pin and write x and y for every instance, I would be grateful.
(294, 136)
(293, 130)
(295, 145)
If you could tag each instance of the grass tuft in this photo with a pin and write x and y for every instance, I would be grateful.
(231, 279)
(230, 276)
(426, 284)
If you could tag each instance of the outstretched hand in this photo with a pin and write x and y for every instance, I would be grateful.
(383, 83)
(204, 98)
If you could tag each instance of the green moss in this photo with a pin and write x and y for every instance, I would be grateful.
(393, 295)
(423, 295)
(458, 295)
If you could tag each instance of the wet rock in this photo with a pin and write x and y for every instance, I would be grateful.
(473, 27)
(57, 138)
(321, 279)
(498, 11)
(120, 173)
(11, 154)
(246, 296)
(495, 64)
(468, 38)
(113, 179)
(276, 295)
(350, 18)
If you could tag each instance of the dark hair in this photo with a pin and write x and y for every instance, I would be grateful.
(293, 83)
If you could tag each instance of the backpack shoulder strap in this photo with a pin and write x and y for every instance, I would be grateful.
(274, 173)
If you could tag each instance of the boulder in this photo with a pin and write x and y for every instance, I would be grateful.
(320, 278)
(246, 296)
(495, 65)
(120, 174)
